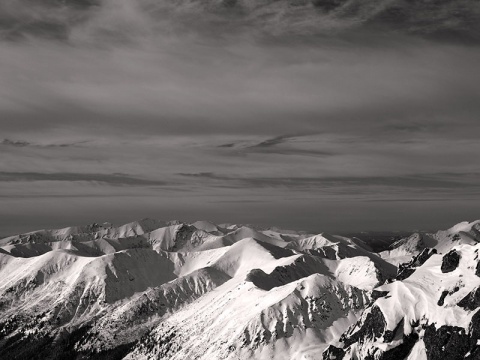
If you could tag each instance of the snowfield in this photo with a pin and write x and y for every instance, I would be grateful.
(171, 290)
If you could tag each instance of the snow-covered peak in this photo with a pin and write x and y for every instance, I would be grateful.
(464, 226)
(177, 290)
(443, 241)
(416, 317)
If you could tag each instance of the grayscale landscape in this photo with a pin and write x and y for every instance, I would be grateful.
(172, 290)
(329, 148)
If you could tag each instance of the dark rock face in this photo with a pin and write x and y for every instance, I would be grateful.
(372, 328)
(442, 298)
(471, 301)
(390, 335)
(448, 342)
(407, 269)
(261, 279)
(405, 273)
(167, 342)
(281, 275)
(182, 235)
(424, 256)
(475, 326)
(444, 343)
(324, 252)
(402, 350)
(333, 352)
(378, 294)
(450, 261)
(444, 295)
(441, 342)
(474, 355)
(44, 346)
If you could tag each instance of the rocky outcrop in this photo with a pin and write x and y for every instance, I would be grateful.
(370, 330)
(372, 327)
(407, 269)
(333, 352)
(450, 342)
(471, 301)
(442, 298)
(401, 351)
(450, 261)
(405, 273)
(446, 332)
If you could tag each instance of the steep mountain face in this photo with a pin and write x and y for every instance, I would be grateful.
(245, 321)
(173, 290)
(96, 290)
(85, 233)
(431, 314)
(444, 240)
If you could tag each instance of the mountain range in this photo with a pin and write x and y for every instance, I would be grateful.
(176, 290)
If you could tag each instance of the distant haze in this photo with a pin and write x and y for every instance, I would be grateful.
(325, 116)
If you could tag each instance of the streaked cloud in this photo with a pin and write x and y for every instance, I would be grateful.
(282, 145)
(21, 143)
(421, 182)
(262, 110)
(110, 179)
(271, 142)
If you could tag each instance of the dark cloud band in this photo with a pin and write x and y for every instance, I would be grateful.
(111, 179)
(421, 181)
(445, 20)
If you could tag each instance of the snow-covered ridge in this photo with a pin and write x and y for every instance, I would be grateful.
(431, 313)
(199, 290)
(443, 240)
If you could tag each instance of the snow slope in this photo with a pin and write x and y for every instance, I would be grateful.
(173, 290)
(443, 241)
(432, 314)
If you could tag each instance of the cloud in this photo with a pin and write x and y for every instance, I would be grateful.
(273, 145)
(16, 143)
(204, 175)
(110, 179)
(125, 20)
(423, 182)
(21, 143)
(272, 141)
(363, 101)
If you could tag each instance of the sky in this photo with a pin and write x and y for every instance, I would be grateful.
(319, 115)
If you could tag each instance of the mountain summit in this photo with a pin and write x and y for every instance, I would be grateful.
(175, 290)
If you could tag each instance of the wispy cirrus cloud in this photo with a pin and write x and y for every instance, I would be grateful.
(272, 142)
(423, 182)
(264, 110)
(281, 145)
